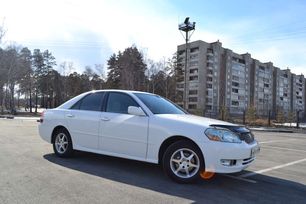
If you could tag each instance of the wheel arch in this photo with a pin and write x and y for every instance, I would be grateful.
(170, 140)
(59, 127)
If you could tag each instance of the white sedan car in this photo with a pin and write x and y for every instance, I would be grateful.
(146, 127)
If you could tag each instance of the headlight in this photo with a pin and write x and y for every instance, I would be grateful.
(222, 135)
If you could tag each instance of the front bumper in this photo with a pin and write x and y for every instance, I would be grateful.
(217, 155)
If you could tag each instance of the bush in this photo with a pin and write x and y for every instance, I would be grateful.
(261, 122)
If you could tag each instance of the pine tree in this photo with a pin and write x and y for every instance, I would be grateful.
(113, 76)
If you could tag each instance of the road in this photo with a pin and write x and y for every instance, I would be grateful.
(31, 173)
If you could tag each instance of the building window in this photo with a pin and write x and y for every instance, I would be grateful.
(209, 86)
(193, 78)
(241, 98)
(195, 49)
(192, 106)
(193, 56)
(193, 99)
(208, 107)
(193, 71)
(180, 85)
(209, 50)
(193, 92)
(209, 79)
(210, 58)
(195, 63)
(262, 68)
(235, 84)
(209, 64)
(234, 90)
(208, 100)
(235, 103)
(236, 78)
(181, 52)
(210, 72)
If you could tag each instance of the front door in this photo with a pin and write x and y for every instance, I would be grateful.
(123, 134)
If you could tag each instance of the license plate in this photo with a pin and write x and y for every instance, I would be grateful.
(254, 151)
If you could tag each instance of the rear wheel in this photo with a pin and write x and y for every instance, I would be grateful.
(183, 161)
(62, 144)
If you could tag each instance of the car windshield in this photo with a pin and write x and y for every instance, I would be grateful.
(159, 105)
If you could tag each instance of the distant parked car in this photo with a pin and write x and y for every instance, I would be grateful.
(146, 127)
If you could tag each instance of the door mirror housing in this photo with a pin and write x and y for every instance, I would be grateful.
(133, 110)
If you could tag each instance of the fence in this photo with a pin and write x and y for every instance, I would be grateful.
(251, 115)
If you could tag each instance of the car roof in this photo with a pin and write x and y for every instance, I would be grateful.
(119, 90)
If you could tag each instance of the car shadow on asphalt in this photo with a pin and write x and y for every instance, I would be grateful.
(220, 189)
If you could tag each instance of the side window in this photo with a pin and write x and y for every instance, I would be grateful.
(76, 106)
(119, 103)
(92, 102)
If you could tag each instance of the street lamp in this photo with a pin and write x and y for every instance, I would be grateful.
(186, 27)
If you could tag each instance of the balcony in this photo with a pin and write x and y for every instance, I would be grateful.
(210, 54)
(210, 59)
(193, 78)
(210, 65)
(193, 72)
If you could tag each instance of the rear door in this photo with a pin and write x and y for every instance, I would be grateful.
(84, 121)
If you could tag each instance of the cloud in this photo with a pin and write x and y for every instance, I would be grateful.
(89, 32)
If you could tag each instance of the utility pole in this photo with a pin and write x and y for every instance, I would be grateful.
(186, 27)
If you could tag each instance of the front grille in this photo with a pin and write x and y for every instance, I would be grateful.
(248, 137)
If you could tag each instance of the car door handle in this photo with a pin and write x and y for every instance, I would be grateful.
(105, 119)
(70, 116)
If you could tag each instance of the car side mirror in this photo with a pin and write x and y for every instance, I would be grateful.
(133, 110)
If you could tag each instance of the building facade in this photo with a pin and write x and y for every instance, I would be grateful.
(237, 81)
(219, 78)
(282, 91)
(262, 86)
(298, 92)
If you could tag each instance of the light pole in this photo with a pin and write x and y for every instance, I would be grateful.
(186, 27)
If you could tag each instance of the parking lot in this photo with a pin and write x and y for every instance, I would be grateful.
(31, 173)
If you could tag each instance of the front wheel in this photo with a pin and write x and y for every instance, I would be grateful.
(183, 161)
(62, 144)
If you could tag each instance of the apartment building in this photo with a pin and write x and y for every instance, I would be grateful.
(217, 77)
(298, 93)
(203, 75)
(262, 87)
(237, 81)
(282, 90)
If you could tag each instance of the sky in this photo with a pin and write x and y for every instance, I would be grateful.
(88, 32)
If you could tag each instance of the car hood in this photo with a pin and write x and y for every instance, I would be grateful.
(196, 120)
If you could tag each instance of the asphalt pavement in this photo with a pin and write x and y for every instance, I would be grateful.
(31, 173)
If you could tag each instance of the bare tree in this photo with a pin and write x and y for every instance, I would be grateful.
(2, 32)
(152, 70)
(99, 68)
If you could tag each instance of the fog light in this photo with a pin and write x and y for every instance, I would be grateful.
(228, 162)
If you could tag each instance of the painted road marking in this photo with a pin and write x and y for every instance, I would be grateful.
(272, 168)
(283, 148)
(239, 178)
(272, 141)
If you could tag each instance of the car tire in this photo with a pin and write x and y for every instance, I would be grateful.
(62, 143)
(183, 162)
